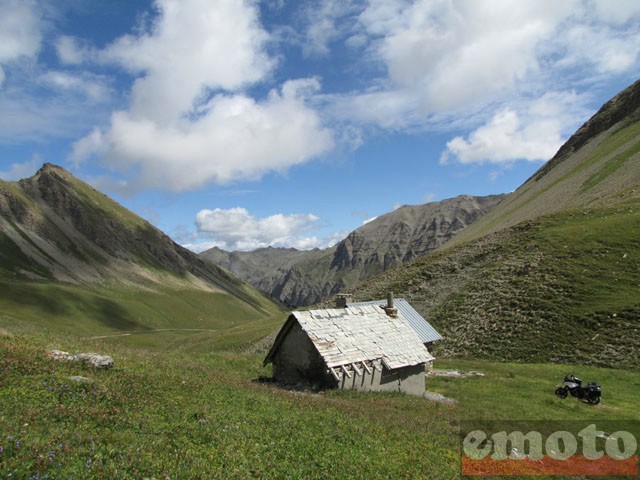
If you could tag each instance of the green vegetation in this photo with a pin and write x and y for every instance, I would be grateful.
(561, 288)
(12, 260)
(612, 165)
(156, 318)
(178, 415)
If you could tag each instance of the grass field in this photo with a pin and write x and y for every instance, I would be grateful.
(161, 319)
(206, 415)
(557, 289)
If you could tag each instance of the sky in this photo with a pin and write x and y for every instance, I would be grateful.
(246, 124)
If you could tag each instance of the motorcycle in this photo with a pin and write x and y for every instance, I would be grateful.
(573, 385)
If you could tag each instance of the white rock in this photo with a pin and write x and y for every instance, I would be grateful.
(93, 359)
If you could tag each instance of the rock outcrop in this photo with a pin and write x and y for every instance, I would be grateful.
(93, 359)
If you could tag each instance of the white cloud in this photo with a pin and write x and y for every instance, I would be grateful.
(237, 229)
(609, 50)
(448, 59)
(429, 197)
(93, 87)
(442, 56)
(533, 133)
(193, 47)
(614, 11)
(369, 220)
(189, 122)
(235, 138)
(20, 32)
(71, 51)
(327, 21)
(486, 65)
(19, 29)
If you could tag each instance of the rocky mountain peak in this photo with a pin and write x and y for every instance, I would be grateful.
(623, 108)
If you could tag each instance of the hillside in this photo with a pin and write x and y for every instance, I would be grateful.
(303, 278)
(195, 416)
(69, 253)
(551, 274)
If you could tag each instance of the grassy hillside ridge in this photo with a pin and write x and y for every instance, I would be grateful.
(74, 259)
(206, 416)
(622, 109)
(562, 287)
(550, 274)
(69, 226)
(604, 170)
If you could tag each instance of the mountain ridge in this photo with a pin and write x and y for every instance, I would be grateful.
(306, 277)
(72, 255)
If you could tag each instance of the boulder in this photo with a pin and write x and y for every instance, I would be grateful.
(93, 359)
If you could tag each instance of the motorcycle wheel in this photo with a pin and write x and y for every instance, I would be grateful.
(561, 392)
(594, 400)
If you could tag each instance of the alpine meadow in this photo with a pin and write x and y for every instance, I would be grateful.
(209, 212)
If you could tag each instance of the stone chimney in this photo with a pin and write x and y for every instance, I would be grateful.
(342, 299)
(390, 309)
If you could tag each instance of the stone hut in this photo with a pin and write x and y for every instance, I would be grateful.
(366, 348)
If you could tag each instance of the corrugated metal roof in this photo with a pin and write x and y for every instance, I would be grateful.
(362, 333)
(405, 311)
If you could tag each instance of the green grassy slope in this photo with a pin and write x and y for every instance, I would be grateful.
(597, 167)
(73, 260)
(552, 273)
(163, 318)
(207, 416)
(561, 288)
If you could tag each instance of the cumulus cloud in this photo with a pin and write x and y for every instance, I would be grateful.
(192, 47)
(234, 138)
(445, 59)
(189, 122)
(534, 133)
(442, 56)
(485, 66)
(237, 229)
(20, 32)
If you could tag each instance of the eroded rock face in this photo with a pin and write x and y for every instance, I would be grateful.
(304, 278)
(94, 359)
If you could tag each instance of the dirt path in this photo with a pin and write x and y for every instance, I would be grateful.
(153, 331)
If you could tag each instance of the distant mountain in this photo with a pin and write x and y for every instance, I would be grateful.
(550, 274)
(58, 233)
(306, 277)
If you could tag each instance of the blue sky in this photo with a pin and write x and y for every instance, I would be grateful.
(244, 124)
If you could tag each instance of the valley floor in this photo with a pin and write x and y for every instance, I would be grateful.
(207, 415)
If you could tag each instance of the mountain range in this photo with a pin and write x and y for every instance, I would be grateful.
(306, 277)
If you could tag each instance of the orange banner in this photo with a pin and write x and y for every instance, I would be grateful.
(576, 465)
